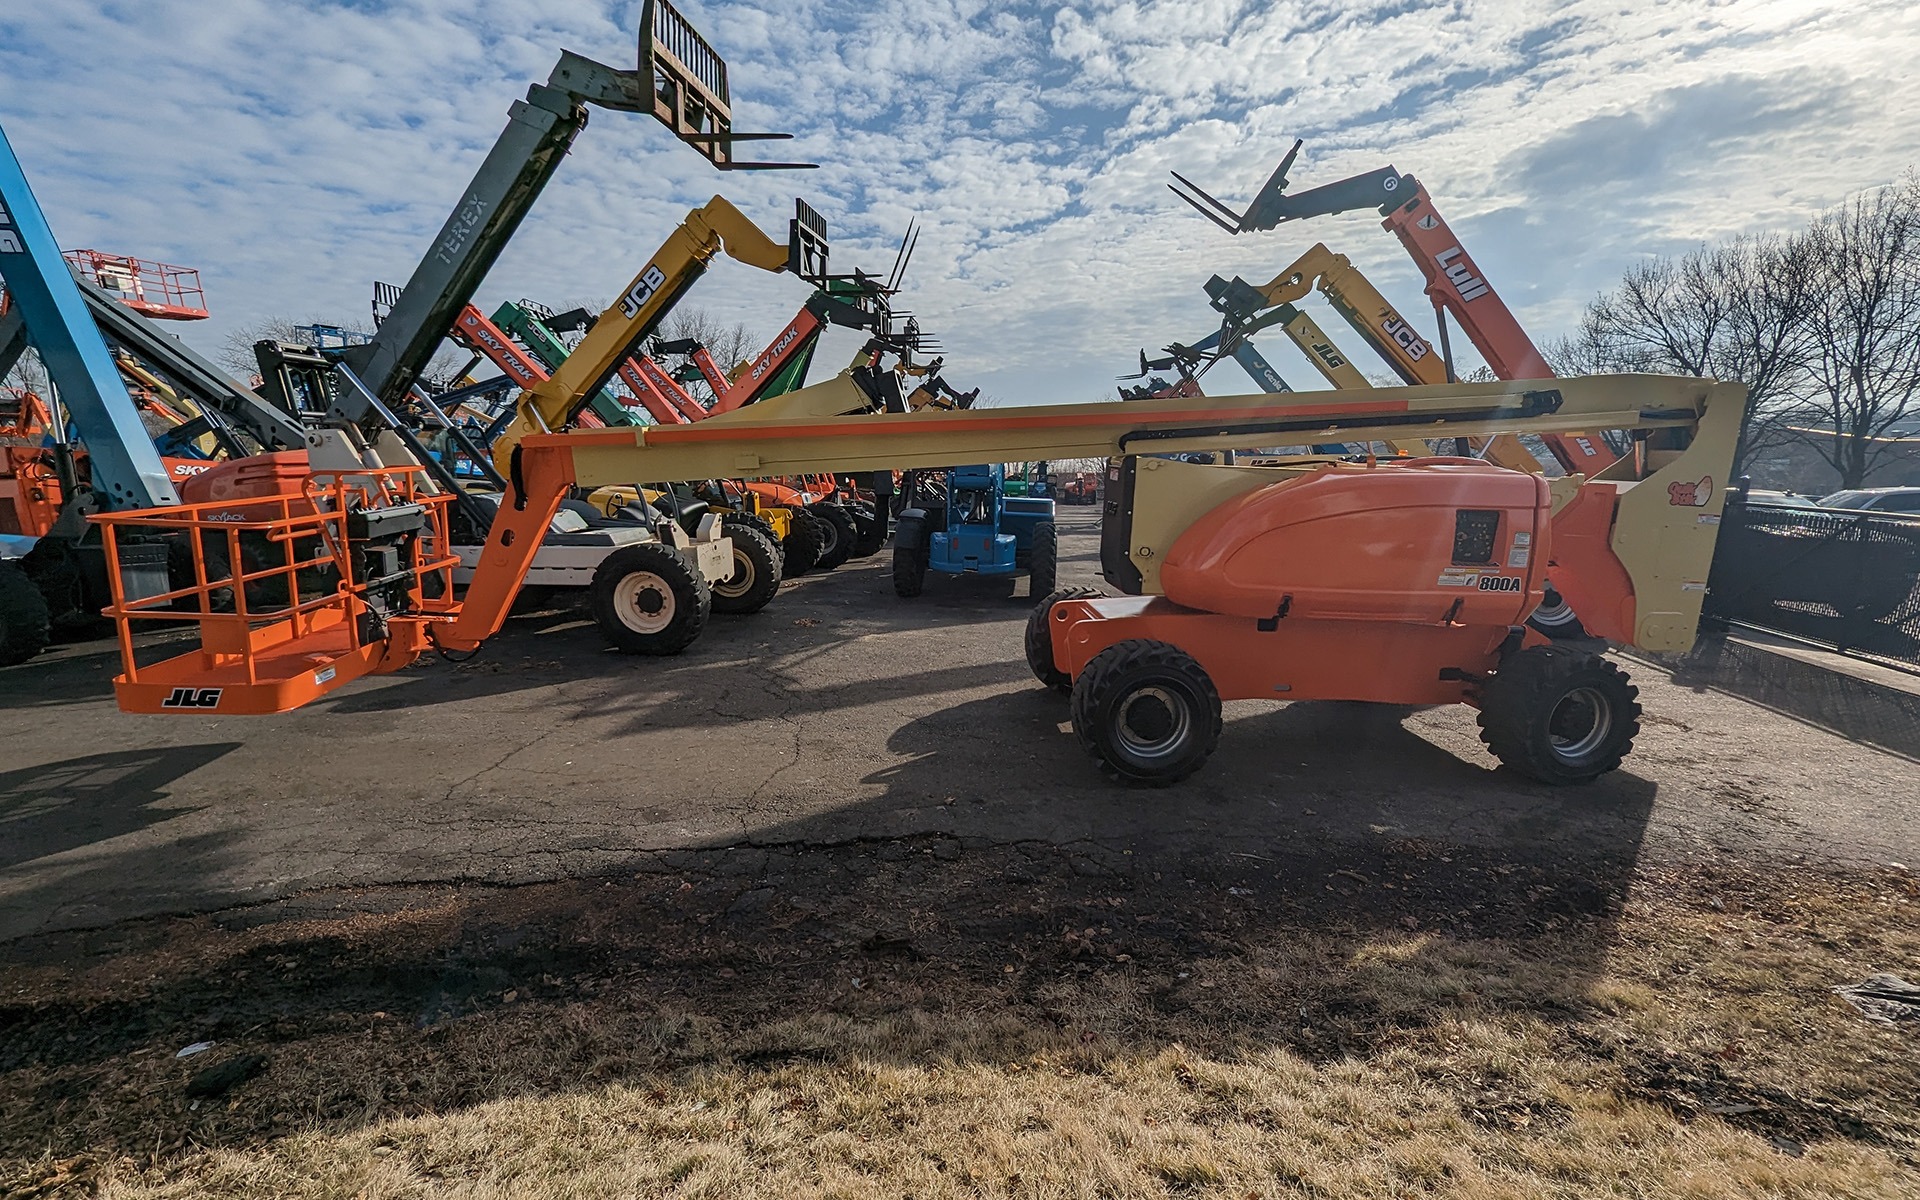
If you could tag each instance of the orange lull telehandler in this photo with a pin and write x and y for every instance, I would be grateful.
(1455, 284)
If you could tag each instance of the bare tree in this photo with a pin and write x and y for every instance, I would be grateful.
(1864, 359)
(1771, 297)
(1738, 311)
(236, 350)
(729, 344)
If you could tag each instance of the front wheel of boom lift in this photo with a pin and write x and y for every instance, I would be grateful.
(1559, 715)
(909, 558)
(1040, 637)
(1043, 561)
(838, 534)
(24, 619)
(1146, 712)
(756, 572)
(647, 600)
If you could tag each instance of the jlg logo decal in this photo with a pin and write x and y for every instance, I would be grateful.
(1328, 354)
(186, 697)
(1458, 269)
(651, 280)
(1500, 583)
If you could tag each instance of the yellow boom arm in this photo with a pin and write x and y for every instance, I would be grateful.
(1692, 425)
(681, 260)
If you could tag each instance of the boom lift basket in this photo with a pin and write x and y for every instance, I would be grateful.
(293, 595)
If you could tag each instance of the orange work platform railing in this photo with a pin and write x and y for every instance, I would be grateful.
(158, 290)
(293, 595)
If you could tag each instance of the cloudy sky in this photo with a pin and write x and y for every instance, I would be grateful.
(296, 150)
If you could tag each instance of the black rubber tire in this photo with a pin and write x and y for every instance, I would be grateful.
(801, 548)
(838, 534)
(1545, 696)
(909, 558)
(25, 625)
(1040, 637)
(64, 591)
(619, 607)
(1043, 561)
(1181, 705)
(755, 522)
(871, 528)
(1556, 619)
(756, 571)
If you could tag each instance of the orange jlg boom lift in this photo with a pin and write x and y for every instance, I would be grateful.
(1398, 581)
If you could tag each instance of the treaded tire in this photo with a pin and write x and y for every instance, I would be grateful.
(631, 579)
(755, 522)
(1146, 712)
(1559, 715)
(909, 558)
(756, 571)
(801, 549)
(1556, 619)
(1043, 561)
(1040, 637)
(24, 622)
(838, 534)
(871, 527)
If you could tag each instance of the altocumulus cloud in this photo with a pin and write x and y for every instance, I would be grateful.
(295, 150)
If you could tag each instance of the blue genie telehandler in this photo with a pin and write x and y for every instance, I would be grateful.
(961, 521)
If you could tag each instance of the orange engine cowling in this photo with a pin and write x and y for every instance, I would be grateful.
(256, 477)
(1422, 540)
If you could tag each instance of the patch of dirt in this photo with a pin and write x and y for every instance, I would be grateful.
(335, 1012)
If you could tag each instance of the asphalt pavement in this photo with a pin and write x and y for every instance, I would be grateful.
(839, 714)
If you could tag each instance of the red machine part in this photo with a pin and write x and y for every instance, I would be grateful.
(1456, 284)
(657, 403)
(746, 388)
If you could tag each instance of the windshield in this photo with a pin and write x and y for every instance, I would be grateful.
(1852, 499)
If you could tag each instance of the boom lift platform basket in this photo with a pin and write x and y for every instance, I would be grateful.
(292, 594)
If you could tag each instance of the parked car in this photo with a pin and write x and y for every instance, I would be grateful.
(1886, 499)
(1781, 499)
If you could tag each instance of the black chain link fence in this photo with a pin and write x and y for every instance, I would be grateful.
(1846, 580)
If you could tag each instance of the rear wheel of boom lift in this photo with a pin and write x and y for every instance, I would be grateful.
(647, 600)
(1040, 637)
(909, 557)
(1146, 712)
(756, 572)
(838, 534)
(24, 621)
(1043, 561)
(1559, 715)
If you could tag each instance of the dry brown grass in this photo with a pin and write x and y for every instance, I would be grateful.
(1671, 1048)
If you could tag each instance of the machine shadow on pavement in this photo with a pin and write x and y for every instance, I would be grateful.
(65, 805)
